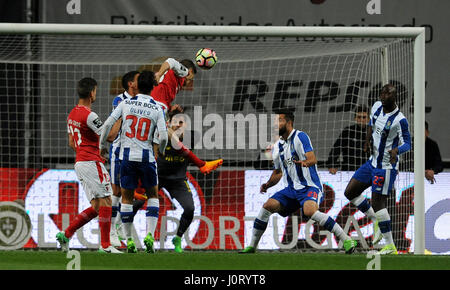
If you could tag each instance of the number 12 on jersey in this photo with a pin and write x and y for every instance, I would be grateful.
(143, 128)
(76, 135)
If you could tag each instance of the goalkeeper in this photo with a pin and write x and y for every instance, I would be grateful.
(172, 168)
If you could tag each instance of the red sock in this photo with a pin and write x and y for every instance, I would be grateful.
(190, 155)
(104, 221)
(80, 220)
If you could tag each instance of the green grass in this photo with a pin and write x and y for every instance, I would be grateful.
(164, 260)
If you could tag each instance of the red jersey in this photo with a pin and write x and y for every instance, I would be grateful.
(164, 93)
(85, 128)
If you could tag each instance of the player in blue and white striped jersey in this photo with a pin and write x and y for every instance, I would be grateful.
(390, 137)
(295, 162)
(141, 116)
(129, 84)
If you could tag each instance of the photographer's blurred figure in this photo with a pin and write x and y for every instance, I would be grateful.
(350, 144)
(433, 160)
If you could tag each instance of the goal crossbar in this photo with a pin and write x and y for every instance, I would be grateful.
(210, 30)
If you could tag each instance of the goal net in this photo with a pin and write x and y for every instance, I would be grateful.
(232, 110)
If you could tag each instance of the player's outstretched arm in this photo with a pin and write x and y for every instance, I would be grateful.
(274, 179)
(109, 123)
(162, 70)
(107, 126)
(114, 131)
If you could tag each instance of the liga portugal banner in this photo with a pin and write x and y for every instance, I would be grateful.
(224, 213)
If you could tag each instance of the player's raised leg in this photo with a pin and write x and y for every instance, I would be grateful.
(80, 220)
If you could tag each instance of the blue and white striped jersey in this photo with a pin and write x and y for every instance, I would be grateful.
(295, 148)
(141, 116)
(123, 96)
(389, 131)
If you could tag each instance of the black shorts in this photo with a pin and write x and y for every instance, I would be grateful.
(178, 189)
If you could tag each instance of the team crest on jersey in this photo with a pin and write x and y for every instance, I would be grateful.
(289, 161)
(388, 125)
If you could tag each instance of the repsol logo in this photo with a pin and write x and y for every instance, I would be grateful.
(308, 95)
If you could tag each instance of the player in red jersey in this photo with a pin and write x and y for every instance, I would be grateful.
(172, 76)
(84, 128)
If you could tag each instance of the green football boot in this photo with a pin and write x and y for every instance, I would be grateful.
(389, 249)
(176, 241)
(349, 246)
(131, 246)
(63, 241)
(248, 250)
(148, 242)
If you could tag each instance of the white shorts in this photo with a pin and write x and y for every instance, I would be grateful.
(94, 178)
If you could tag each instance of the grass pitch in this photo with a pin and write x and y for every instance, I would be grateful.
(165, 260)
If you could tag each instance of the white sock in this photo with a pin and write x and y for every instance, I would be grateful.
(115, 200)
(259, 226)
(326, 221)
(384, 223)
(115, 203)
(363, 205)
(126, 212)
(152, 215)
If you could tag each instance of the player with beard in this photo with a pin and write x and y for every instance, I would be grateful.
(294, 161)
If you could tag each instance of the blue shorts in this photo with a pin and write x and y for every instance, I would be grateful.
(292, 199)
(382, 180)
(132, 171)
(114, 171)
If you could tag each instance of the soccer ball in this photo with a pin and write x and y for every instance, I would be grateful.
(206, 58)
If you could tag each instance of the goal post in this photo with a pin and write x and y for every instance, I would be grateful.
(112, 57)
